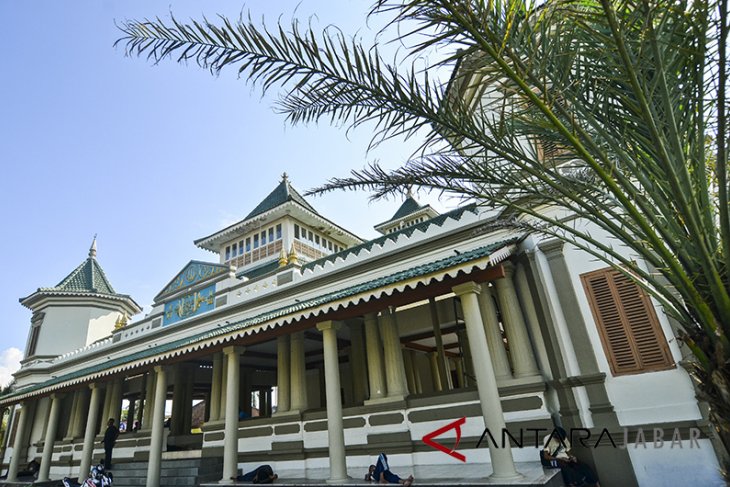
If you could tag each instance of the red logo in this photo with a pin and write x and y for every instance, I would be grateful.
(456, 425)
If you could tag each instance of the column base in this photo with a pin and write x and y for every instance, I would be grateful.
(291, 412)
(338, 481)
(506, 478)
(383, 400)
(528, 375)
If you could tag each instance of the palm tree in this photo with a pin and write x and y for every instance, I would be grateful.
(611, 112)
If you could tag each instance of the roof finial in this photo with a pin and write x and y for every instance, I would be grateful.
(284, 177)
(409, 192)
(92, 249)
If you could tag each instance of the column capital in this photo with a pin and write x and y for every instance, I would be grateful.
(159, 368)
(551, 247)
(329, 325)
(509, 269)
(371, 316)
(466, 288)
(233, 350)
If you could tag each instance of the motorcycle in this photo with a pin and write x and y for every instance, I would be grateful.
(97, 478)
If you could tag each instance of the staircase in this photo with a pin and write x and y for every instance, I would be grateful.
(173, 472)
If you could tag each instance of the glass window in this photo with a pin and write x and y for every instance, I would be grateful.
(248, 244)
(316, 239)
(234, 249)
(256, 241)
(263, 238)
(278, 231)
(296, 231)
(228, 252)
(309, 235)
(329, 245)
(240, 247)
(271, 234)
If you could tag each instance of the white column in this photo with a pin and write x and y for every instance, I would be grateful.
(115, 402)
(82, 412)
(224, 388)
(358, 363)
(90, 433)
(494, 336)
(215, 387)
(51, 431)
(442, 361)
(283, 369)
(408, 364)
(503, 465)
(230, 442)
(416, 371)
(298, 375)
(335, 428)
(533, 323)
(376, 377)
(523, 358)
(178, 399)
(149, 401)
(23, 419)
(73, 415)
(158, 427)
(108, 392)
(433, 358)
(395, 373)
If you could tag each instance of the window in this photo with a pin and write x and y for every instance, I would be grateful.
(309, 235)
(248, 244)
(627, 323)
(240, 247)
(228, 252)
(271, 234)
(234, 249)
(33, 340)
(278, 231)
(329, 245)
(263, 238)
(296, 231)
(316, 239)
(256, 241)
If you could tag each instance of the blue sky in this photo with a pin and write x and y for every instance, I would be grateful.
(147, 157)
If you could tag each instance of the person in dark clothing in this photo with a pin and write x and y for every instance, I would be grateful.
(110, 438)
(261, 475)
(381, 473)
(555, 454)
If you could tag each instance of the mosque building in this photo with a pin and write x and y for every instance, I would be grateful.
(302, 346)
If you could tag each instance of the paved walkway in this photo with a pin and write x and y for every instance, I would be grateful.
(451, 475)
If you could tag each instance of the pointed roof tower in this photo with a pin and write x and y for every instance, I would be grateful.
(409, 213)
(283, 201)
(281, 194)
(87, 280)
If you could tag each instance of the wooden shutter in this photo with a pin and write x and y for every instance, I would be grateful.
(627, 323)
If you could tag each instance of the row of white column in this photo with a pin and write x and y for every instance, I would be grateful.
(388, 380)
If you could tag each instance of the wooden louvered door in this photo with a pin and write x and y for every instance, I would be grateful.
(630, 332)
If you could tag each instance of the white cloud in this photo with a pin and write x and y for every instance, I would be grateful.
(9, 363)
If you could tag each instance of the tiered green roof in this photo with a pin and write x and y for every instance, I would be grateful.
(281, 194)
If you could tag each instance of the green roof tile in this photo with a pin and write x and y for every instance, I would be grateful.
(396, 277)
(409, 206)
(88, 277)
(281, 194)
(408, 231)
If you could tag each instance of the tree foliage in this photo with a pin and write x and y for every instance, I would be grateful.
(610, 112)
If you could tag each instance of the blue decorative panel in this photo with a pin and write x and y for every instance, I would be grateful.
(192, 273)
(190, 305)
